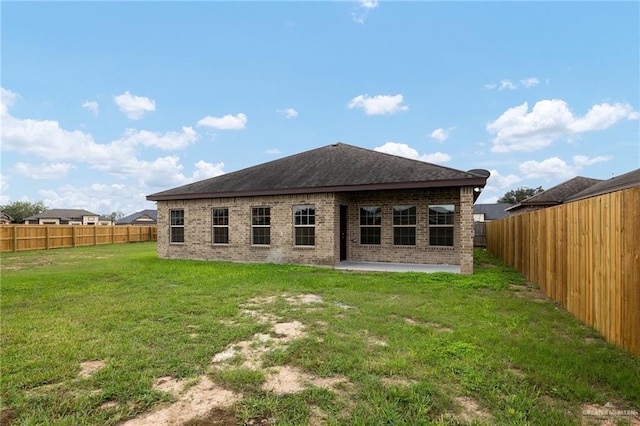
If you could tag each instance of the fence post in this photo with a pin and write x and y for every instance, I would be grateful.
(46, 236)
(15, 238)
(73, 235)
(113, 230)
(95, 235)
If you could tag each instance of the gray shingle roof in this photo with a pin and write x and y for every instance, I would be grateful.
(616, 183)
(492, 211)
(135, 216)
(557, 194)
(332, 168)
(62, 214)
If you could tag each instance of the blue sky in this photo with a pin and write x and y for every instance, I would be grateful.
(105, 103)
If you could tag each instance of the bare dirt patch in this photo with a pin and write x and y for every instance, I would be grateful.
(215, 417)
(286, 379)
(89, 368)
(304, 299)
(195, 402)
(7, 416)
(470, 410)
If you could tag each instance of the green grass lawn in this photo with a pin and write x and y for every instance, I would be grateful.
(396, 348)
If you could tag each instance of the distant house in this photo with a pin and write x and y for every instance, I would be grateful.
(617, 183)
(489, 212)
(320, 207)
(5, 218)
(554, 196)
(64, 217)
(144, 217)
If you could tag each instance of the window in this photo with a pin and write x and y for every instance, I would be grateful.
(404, 225)
(370, 224)
(261, 226)
(220, 223)
(441, 225)
(176, 225)
(304, 224)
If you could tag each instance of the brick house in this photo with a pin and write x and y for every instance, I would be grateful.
(323, 206)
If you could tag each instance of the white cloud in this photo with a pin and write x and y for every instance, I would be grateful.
(228, 122)
(91, 106)
(440, 134)
(364, 7)
(379, 104)
(583, 160)
(7, 98)
(4, 185)
(497, 182)
(529, 82)
(206, 170)
(404, 150)
(288, 112)
(436, 157)
(134, 107)
(549, 169)
(98, 197)
(166, 141)
(273, 151)
(519, 129)
(42, 171)
(507, 84)
(603, 116)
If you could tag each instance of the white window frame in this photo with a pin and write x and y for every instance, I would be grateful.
(215, 226)
(173, 226)
(256, 226)
(403, 225)
(310, 223)
(442, 225)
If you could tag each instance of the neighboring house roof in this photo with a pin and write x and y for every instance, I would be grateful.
(153, 214)
(62, 214)
(616, 183)
(557, 194)
(332, 168)
(492, 211)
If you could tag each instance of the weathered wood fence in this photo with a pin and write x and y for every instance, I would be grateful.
(479, 234)
(585, 255)
(43, 237)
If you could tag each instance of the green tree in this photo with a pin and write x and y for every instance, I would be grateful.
(516, 195)
(20, 210)
(115, 216)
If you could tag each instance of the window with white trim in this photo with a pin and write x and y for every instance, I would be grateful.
(261, 226)
(441, 225)
(304, 225)
(404, 225)
(176, 226)
(220, 224)
(370, 225)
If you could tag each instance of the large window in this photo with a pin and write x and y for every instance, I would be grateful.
(370, 224)
(176, 226)
(404, 225)
(304, 225)
(220, 223)
(261, 226)
(441, 225)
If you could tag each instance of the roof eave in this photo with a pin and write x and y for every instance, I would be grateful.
(475, 182)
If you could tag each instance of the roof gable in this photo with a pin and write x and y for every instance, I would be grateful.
(616, 183)
(558, 194)
(150, 213)
(492, 211)
(337, 167)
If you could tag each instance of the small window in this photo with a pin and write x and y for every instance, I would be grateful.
(370, 225)
(176, 226)
(441, 225)
(404, 225)
(304, 224)
(261, 226)
(220, 223)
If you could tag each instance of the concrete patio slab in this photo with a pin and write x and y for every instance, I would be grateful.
(396, 267)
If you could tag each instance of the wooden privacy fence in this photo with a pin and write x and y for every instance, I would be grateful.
(585, 255)
(42, 237)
